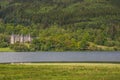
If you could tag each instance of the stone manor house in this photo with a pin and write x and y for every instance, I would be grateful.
(20, 38)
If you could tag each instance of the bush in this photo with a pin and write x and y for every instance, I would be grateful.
(19, 47)
(4, 40)
(109, 43)
(3, 44)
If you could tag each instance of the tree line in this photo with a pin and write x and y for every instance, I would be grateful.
(61, 25)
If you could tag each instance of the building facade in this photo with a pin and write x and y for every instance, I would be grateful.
(20, 38)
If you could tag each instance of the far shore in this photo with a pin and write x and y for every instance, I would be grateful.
(10, 50)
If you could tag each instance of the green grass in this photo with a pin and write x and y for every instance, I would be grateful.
(6, 50)
(60, 71)
(102, 48)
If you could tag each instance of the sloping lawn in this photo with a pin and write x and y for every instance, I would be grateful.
(6, 50)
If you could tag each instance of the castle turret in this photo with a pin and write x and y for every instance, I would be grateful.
(29, 38)
(21, 39)
(12, 39)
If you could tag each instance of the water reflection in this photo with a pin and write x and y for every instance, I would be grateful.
(6, 57)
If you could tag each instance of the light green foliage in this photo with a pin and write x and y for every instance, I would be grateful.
(4, 3)
(6, 50)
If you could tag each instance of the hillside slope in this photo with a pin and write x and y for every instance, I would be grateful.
(62, 25)
(62, 12)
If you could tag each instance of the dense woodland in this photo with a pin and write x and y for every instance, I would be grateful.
(61, 25)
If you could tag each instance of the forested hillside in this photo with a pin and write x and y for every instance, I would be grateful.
(61, 25)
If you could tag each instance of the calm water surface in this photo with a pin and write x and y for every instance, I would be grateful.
(9, 57)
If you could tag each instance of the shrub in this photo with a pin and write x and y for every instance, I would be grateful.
(19, 47)
(3, 44)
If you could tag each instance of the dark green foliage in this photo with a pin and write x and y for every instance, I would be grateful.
(66, 12)
(4, 40)
(116, 3)
(84, 42)
(61, 25)
(2, 28)
(100, 38)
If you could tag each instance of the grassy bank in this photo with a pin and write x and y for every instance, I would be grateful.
(6, 50)
(59, 71)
